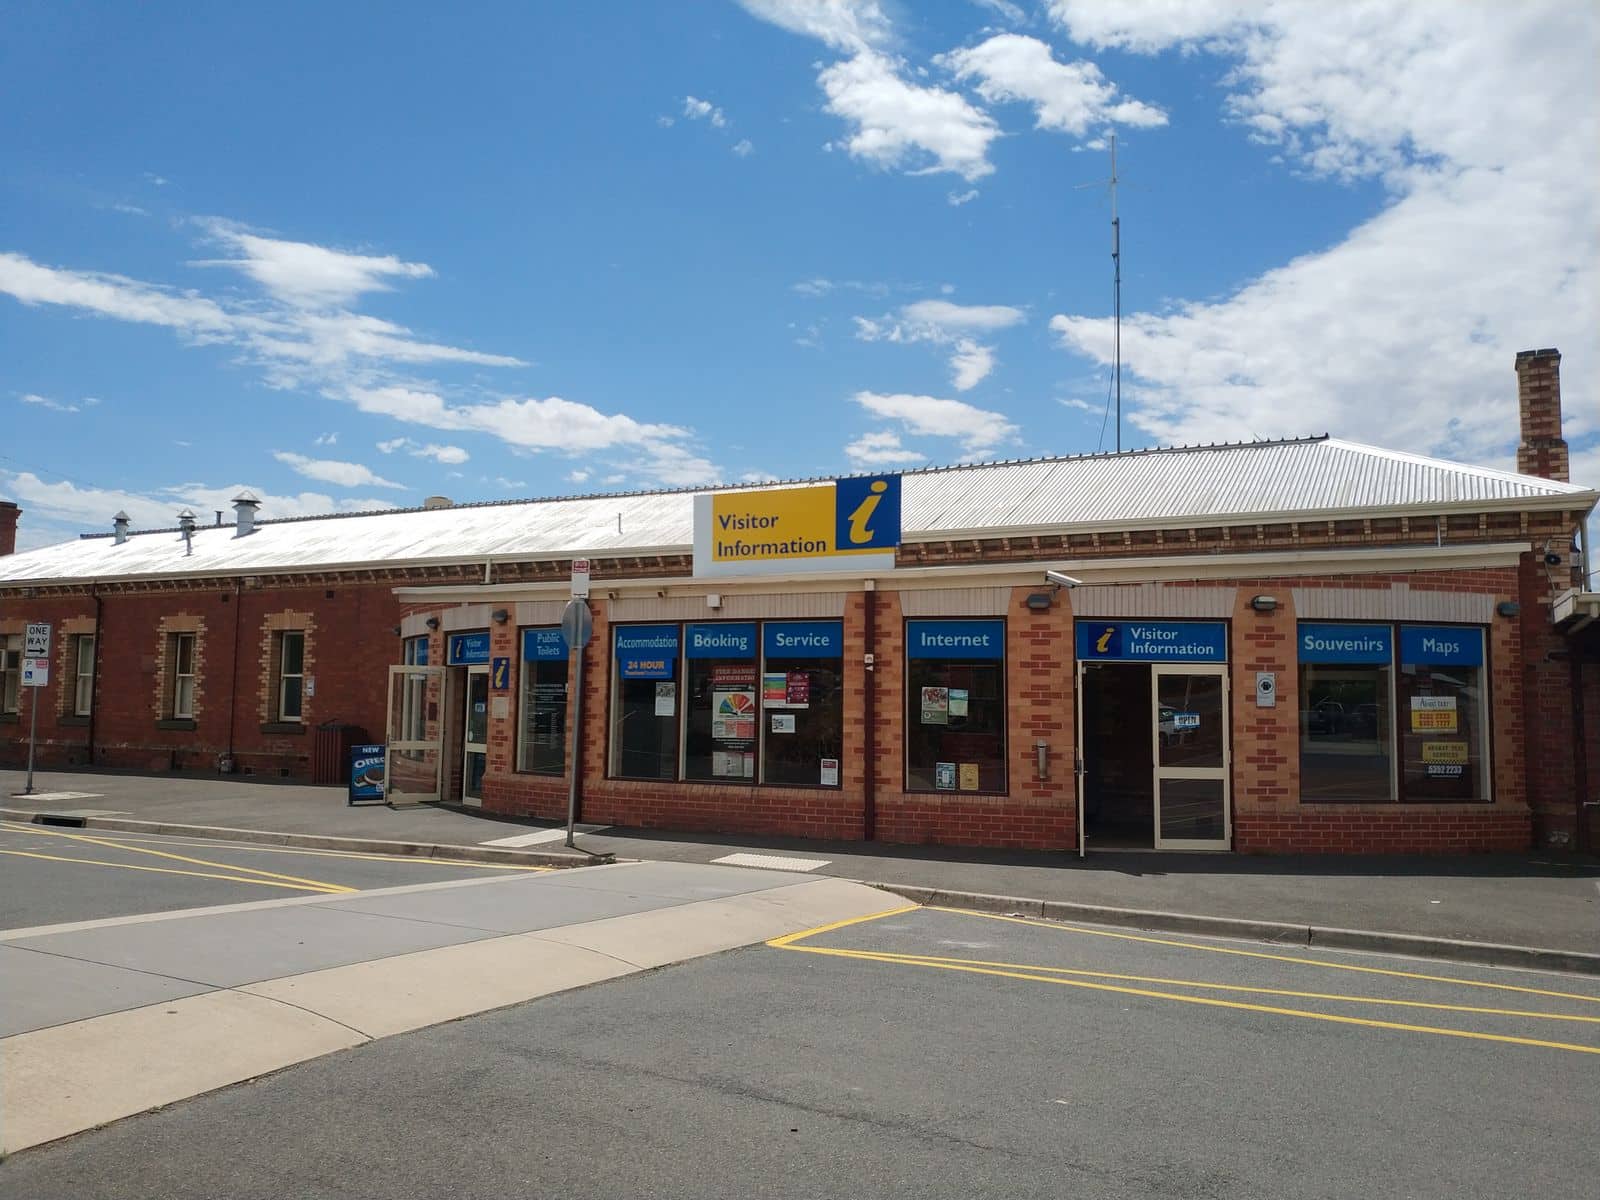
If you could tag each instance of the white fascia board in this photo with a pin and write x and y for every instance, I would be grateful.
(1146, 569)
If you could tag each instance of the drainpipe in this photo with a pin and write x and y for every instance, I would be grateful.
(94, 684)
(233, 682)
(869, 798)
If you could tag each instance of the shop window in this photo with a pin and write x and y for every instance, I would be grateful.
(10, 672)
(83, 674)
(645, 704)
(720, 709)
(180, 654)
(955, 706)
(291, 674)
(541, 736)
(1346, 713)
(1443, 710)
(802, 702)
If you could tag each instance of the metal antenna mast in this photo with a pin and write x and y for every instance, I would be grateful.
(1116, 292)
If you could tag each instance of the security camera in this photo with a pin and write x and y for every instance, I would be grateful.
(1061, 580)
(1552, 559)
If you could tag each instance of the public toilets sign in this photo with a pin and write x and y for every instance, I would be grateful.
(847, 525)
(1153, 641)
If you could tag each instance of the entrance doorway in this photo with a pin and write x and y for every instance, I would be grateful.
(475, 736)
(1154, 746)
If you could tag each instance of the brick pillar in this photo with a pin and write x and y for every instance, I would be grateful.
(1542, 451)
(1266, 741)
(9, 513)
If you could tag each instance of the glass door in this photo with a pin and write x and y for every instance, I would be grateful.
(415, 745)
(1190, 715)
(475, 736)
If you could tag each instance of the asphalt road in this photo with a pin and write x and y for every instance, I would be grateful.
(923, 1054)
(52, 875)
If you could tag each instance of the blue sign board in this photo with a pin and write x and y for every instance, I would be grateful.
(803, 639)
(500, 673)
(866, 513)
(468, 649)
(725, 639)
(646, 651)
(366, 774)
(1345, 644)
(1153, 641)
(539, 645)
(1441, 645)
(956, 639)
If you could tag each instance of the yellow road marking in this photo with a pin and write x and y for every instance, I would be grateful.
(330, 890)
(123, 840)
(317, 884)
(1207, 1001)
(891, 956)
(1289, 958)
(783, 943)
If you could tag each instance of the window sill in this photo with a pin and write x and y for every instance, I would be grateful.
(290, 727)
(74, 721)
(180, 723)
(10, 719)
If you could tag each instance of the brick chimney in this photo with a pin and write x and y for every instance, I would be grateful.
(9, 513)
(1543, 450)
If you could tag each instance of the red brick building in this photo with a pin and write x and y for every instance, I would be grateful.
(1293, 645)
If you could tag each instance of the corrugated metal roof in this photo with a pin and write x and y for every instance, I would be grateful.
(1251, 480)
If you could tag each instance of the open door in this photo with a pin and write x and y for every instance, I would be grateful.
(415, 744)
(1189, 719)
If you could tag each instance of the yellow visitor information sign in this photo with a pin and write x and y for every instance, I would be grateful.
(848, 524)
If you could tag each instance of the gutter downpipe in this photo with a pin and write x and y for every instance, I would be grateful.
(94, 687)
(233, 682)
(869, 797)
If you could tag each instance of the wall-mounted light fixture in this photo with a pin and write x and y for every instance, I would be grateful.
(1508, 608)
(501, 616)
(432, 622)
(713, 599)
(1264, 604)
(1039, 601)
(397, 631)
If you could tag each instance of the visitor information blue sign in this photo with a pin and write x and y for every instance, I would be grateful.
(803, 639)
(540, 645)
(469, 649)
(956, 639)
(1369, 644)
(1441, 645)
(647, 651)
(1153, 641)
(725, 639)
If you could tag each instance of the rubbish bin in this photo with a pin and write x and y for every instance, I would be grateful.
(330, 751)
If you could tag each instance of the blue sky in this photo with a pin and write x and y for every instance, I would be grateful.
(349, 255)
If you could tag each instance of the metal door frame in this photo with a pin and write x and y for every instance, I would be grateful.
(1223, 772)
(466, 723)
(1078, 768)
(393, 742)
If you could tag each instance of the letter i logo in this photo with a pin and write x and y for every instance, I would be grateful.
(1103, 642)
(860, 532)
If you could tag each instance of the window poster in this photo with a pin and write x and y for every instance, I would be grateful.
(958, 702)
(797, 687)
(775, 690)
(1433, 714)
(733, 764)
(936, 708)
(666, 698)
(969, 777)
(830, 772)
(944, 774)
(733, 715)
(782, 722)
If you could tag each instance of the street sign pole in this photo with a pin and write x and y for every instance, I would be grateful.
(36, 673)
(577, 627)
(33, 733)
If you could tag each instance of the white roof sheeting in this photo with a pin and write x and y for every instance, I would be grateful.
(1254, 481)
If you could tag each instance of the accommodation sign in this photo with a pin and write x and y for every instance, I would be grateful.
(849, 524)
(1153, 641)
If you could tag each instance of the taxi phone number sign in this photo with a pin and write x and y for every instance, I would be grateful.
(849, 524)
(1433, 714)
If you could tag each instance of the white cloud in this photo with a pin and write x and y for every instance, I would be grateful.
(53, 405)
(949, 316)
(897, 123)
(325, 439)
(970, 364)
(665, 121)
(114, 296)
(305, 275)
(957, 199)
(744, 148)
(510, 485)
(327, 470)
(704, 110)
(758, 477)
(847, 25)
(1482, 122)
(979, 431)
(1005, 10)
(881, 448)
(1068, 97)
(945, 323)
(579, 476)
(813, 287)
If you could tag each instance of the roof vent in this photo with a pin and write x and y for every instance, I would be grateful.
(186, 524)
(244, 514)
(438, 502)
(119, 526)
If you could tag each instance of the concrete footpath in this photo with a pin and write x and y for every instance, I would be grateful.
(103, 1019)
(1523, 909)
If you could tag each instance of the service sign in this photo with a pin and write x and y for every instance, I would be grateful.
(849, 524)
